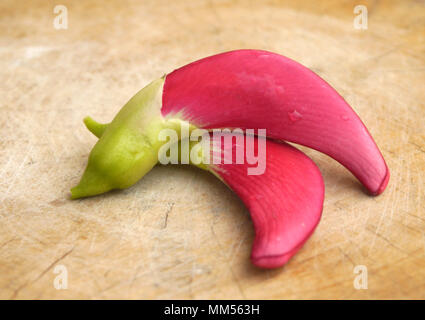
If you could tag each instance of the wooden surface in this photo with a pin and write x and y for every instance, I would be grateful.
(180, 233)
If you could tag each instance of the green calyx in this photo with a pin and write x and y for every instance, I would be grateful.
(95, 127)
(128, 147)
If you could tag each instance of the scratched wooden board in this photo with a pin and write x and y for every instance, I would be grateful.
(179, 232)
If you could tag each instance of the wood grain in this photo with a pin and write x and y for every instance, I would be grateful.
(180, 233)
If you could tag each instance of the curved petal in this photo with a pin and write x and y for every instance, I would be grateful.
(285, 202)
(259, 89)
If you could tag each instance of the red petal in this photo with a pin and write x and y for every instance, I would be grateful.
(258, 89)
(285, 202)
